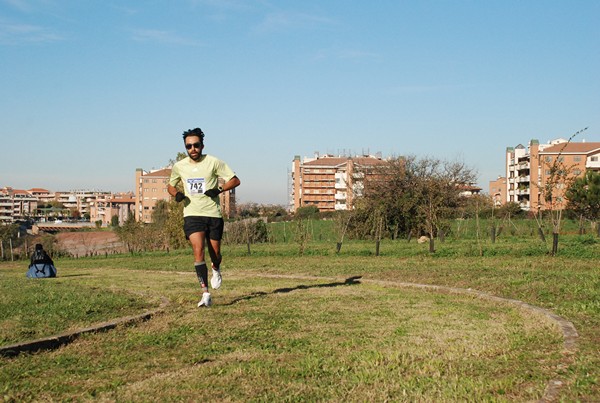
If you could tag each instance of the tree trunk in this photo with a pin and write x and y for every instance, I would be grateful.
(338, 247)
(493, 234)
(431, 245)
(442, 235)
(377, 248)
(541, 234)
(554, 243)
(409, 236)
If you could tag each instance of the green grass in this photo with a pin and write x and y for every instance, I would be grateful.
(293, 339)
(35, 308)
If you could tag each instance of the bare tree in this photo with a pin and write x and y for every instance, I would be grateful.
(553, 191)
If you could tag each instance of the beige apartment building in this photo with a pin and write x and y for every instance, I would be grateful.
(104, 208)
(79, 200)
(529, 169)
(328, 182)
(498, 191)
(16, 204)
(150, 187)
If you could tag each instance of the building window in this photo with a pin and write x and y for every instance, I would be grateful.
(594, 158)
(577, 158)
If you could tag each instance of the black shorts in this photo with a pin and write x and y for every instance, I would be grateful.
(213, 226)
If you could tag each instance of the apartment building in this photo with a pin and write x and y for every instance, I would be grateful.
(79, 200)
(104, 208)
(328, 182)
(16, 204)
(528, 170)
(6, 207)
(150, 187)
(498, 191)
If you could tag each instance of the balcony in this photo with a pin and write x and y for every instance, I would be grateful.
(340, 206)
(340, 185)
(592, 164)
(525, 205)
(524, 178)
(340, 196)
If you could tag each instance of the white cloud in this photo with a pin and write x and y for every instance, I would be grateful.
(282, 20)
(230, 5)
(348, 54)
(14, 33)
(21, 5)
(163, 37)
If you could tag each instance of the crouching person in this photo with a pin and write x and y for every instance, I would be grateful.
(41, 264)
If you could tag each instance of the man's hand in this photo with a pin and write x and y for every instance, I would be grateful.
(179, 197)
(213, 192)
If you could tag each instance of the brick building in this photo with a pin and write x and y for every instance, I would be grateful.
(104, 208)
(529, 169)
(328, 182)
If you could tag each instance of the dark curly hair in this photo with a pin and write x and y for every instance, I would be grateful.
(194, 132)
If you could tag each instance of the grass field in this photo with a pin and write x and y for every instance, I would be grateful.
(348, 330)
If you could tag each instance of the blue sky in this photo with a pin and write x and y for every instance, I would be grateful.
(92, 90)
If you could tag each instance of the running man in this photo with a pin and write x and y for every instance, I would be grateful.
(202, 217)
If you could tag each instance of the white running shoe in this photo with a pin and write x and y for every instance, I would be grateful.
(205, 301)
(216, 278)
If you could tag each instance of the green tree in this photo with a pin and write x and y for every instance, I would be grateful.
(174, 226)
(160, 214)
(416, 195)
(584, 198)
(307, 212)
(129, 233)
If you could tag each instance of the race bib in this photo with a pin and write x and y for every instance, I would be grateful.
(195, 186)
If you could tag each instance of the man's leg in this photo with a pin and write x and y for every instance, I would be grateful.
(198, 240)
(214, 249)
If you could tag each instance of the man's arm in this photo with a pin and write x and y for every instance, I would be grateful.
(231, 183)
(172, 190)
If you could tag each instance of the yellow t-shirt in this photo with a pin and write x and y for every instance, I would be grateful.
(197, 178)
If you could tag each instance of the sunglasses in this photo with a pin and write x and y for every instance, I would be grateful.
(195, 145)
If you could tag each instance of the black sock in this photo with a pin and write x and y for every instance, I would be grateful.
(202, 274)
(217, 264)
